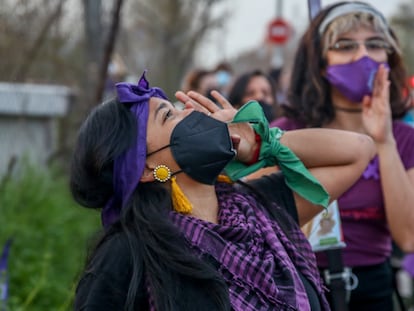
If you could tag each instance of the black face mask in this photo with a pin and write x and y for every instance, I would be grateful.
(201, 146)
(268, 110)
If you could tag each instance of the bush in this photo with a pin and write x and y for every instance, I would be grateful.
(50, 235)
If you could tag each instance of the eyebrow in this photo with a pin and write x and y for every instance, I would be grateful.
(369, 38)
(161, 106)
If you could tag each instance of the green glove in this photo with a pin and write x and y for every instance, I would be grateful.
(272, 152)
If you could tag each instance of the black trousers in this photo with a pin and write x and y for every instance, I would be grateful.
(375, 289)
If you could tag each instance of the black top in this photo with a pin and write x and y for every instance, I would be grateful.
(104, 285)
(274, 189)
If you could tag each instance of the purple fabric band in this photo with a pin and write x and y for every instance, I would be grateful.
(4, 277)
(129, 166)
(408, 263)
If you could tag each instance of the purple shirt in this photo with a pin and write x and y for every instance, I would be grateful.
(364, 225)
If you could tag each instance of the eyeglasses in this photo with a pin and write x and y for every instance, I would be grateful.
(374, 45)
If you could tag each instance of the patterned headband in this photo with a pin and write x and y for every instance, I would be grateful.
(346, 8)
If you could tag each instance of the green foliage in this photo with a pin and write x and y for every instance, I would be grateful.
(50, 238)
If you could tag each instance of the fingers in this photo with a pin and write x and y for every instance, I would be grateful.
(181, 96)
(366, 101)
(235, 139)
(381, 83)
(184, 98)
(203, 101)
(207, 103)
(189, 103)
(195, 100)
(221, 100)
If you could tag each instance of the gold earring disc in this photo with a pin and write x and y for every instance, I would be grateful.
(162, 173)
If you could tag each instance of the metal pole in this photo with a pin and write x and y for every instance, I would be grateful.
(277, 56)
(314, 6)
(279, 8)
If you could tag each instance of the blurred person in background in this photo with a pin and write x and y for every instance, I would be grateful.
(406, 261)
(224, 77)
(279, 76)
(348, 74)
(255, 85)
(199, 80)
(409, 93)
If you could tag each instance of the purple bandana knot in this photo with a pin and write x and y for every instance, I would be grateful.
(140, 93)
(129, 166)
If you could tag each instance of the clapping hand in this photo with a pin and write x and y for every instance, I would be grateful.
(376, 114)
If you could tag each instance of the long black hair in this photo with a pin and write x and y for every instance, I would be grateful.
(159, 251)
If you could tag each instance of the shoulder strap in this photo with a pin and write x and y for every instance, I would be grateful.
(334, 278)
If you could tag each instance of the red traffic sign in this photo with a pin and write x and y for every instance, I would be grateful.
(278, 31)
(411, 81)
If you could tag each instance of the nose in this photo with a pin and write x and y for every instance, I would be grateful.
(256, 95)
(259, 96)
(361, 51)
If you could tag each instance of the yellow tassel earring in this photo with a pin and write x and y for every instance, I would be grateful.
(180, 202)
(224, 179)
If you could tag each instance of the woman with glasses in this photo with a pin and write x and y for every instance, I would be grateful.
(348, 74)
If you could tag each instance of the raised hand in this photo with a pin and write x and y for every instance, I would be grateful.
(242, 134)
(201, 103)
(376, 113)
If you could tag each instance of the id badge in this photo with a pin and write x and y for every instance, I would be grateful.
(324, 231)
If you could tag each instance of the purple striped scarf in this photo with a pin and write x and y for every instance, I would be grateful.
(256, 259)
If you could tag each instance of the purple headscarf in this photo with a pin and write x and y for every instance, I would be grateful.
(129, 166)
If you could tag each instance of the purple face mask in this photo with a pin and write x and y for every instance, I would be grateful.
(354, 80)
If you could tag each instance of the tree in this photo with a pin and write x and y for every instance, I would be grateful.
(42, 41)
(163, 36)
(403, 23)
(99, 48)
(32, 40)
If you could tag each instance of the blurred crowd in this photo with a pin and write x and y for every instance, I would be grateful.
(268, 87)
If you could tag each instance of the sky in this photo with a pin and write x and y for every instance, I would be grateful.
(246, 27)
